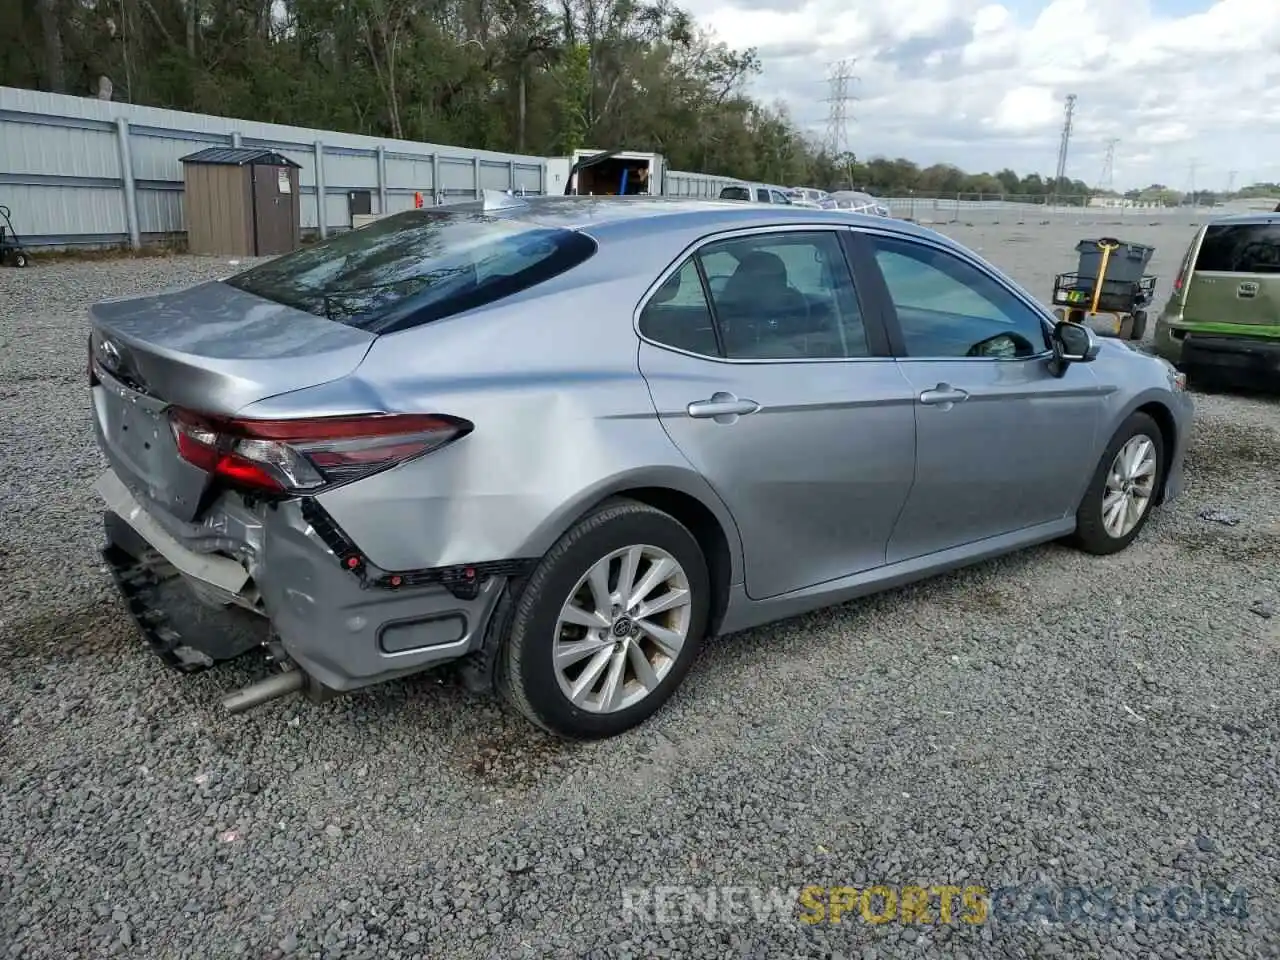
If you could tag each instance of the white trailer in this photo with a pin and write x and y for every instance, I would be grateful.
(626, 173)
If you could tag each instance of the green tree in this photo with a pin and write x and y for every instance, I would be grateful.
(529, 76)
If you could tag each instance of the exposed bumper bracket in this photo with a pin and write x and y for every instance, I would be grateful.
(159, 599)
(137, 581)
(462, 580)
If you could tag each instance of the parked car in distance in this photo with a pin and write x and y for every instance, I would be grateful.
(755, 193)
(856, 201)
(809, 197)
(1222, 320)
(559, 441)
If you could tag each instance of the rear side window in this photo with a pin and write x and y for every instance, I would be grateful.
(762, 195)
(1240, 248)
(735, 193)
(678, 316)
(414, 267)
(777, 296)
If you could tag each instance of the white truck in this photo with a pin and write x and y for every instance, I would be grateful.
(627, 173)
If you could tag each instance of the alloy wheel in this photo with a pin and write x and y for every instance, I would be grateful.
(1130, 486)
(622, 629)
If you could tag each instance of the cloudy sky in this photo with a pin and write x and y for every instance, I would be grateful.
(981, 84)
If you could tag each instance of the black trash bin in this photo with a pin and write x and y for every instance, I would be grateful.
(1128, 262)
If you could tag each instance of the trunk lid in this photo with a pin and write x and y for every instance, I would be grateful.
(210, 348)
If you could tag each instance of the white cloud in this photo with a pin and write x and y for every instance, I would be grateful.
(981, 84)
(1027, 109)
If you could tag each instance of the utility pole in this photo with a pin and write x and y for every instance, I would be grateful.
(1107, 178)
(1191, 180)
(1069, 111)
(837, 100)
(1231, 180)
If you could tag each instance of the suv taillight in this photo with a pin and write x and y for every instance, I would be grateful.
(1184, 268)
(304, 456)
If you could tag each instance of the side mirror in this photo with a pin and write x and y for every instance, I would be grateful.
(1072, 343)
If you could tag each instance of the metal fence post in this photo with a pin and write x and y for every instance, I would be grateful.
(511, 175)
(126, 180)
(382, 180)
(236, 140)
(321, 198)
(475, 173)
(437, 191)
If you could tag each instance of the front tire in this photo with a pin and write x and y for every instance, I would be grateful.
(1139, 331)
(1123, 489)
(608, 623)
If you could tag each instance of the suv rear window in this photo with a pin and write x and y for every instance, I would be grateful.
(1240, 248)
(735, 193)
(414, 267)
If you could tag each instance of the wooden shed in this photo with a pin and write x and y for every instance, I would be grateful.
(241, 201)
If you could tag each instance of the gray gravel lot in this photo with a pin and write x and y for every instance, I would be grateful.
(1046, 718)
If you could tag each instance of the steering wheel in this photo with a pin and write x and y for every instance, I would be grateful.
(1003, 346)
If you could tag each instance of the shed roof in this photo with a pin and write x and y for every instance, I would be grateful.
(239, 156)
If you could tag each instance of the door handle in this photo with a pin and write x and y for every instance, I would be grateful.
(721, 405)
(944, 393)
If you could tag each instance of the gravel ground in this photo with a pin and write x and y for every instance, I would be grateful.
(1044, 719)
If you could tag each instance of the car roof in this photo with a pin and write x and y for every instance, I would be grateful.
(1257, 216)
(619, 217)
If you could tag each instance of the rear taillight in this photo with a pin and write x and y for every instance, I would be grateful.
(1184, 268)
(304, 456)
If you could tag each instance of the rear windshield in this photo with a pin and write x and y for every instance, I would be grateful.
(415, 267)
(735, 193)
(1240, 248)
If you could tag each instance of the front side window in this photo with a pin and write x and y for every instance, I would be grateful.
(415, 267)
(948, 308)
(779, 197)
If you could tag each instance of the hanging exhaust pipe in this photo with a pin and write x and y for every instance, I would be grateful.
(256, 694)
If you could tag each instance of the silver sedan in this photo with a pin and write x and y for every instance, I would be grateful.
(557, 442)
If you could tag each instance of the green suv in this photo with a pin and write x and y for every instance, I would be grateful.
(1223, 318)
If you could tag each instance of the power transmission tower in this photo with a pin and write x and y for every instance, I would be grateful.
(1191, 180)
(837, 101)
(1107, 177)
(1068, 116)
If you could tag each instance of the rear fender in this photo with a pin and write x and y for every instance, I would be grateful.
(682, 481)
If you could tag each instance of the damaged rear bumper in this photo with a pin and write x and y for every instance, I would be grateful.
(247, 574)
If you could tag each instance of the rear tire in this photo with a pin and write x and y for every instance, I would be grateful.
(1123, 489)
(582, 658)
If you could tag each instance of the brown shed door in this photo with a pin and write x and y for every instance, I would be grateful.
(275, 202)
